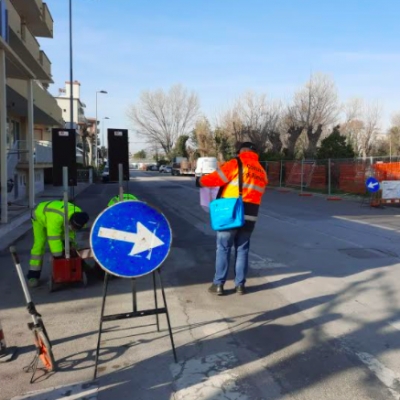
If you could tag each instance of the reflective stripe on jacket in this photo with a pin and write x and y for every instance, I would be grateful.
(254, 183)
(50, 214)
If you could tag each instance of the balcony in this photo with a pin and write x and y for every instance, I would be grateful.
(19, 154)
(27, 47)
(36, 15)
(46, 109)
(45, 62)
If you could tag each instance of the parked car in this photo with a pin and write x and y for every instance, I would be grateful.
(162, 168)
(152, 168)
(167, 170)
(105, 175)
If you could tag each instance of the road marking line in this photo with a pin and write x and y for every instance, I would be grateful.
(388, 377)
(71, 392)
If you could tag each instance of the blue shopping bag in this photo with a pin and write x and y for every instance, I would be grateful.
(228, 213)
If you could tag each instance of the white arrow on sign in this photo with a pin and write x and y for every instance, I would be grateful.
(372, 185)
(143, 240)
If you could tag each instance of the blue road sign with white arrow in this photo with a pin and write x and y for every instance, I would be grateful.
(372, 184)
(130, 239)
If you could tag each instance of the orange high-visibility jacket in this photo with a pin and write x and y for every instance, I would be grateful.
(255, 181)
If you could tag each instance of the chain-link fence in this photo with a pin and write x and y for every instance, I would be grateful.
(332, 176)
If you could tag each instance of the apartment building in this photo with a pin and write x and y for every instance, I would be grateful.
(27, 110)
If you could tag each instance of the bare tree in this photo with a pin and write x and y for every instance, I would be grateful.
(393, 135)
(254, 118)
(260, 119)
(362, 125)
(231, 123)
(161, 117)
(314, 108)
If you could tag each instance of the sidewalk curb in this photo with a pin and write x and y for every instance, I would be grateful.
(20, 225)
(328, 197)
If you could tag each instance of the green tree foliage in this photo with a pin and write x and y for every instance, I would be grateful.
(180, 147)
(140, 155)
(335, 146)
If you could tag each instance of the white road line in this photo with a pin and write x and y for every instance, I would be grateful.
(388, 377)
(72, 392)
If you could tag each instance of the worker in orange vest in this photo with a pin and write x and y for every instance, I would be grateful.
(254, 183)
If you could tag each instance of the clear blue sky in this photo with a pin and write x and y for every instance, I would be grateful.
(220, 48)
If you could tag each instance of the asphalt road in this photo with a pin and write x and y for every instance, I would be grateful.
(321, 319)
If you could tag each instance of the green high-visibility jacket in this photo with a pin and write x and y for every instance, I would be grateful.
(50, 214)
(126, 196)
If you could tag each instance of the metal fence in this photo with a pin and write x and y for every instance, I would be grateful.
(332, 176)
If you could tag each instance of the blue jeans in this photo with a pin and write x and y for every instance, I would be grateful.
(240, 239)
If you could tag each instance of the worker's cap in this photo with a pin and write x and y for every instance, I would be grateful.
(248, 145)
(79, 219)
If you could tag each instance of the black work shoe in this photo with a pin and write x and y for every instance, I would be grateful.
(240, 289)
(217, 289)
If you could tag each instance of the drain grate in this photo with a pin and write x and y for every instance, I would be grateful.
(368, 253)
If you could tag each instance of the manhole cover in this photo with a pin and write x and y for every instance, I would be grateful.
(368, 253)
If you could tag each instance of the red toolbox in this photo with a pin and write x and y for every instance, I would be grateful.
(67, 270)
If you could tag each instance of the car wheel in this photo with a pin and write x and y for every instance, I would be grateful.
(198, 181)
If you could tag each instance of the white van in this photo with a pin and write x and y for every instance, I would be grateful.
(204, 166)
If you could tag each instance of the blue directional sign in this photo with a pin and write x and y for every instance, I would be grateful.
(130, 239)
(372, 184)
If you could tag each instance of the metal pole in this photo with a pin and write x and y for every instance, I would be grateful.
(134, 296)
(167, 315)
(95, 138)
(120, 177)
(31, 145)
(281, 174)
(3, 139)
(103, 305)
(66, 222)
(155, 300)
(329, 176)
(301, 178)
(71, 72)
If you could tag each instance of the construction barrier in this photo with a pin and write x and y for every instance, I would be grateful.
(334, 177)
(274, 172)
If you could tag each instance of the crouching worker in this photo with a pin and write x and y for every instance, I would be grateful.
(126, 196)
(48, 225)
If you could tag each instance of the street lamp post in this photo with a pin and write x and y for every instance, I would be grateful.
(71, 74)
(95, 132)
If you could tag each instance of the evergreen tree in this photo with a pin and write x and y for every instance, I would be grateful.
(335, 146)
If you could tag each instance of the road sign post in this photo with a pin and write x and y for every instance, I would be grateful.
(131, 239)
(373, 186)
